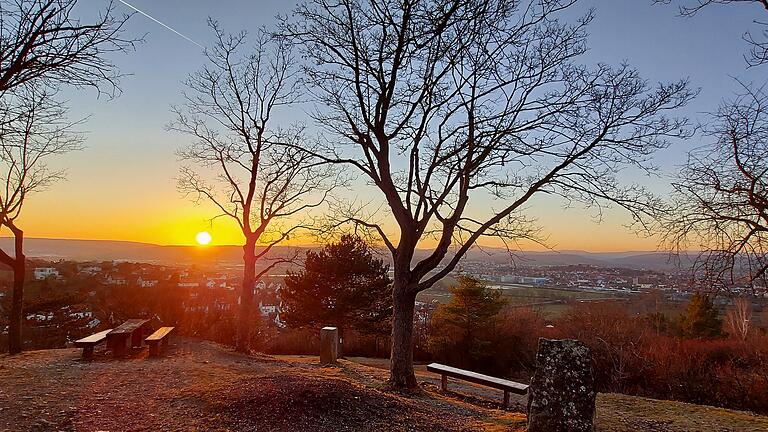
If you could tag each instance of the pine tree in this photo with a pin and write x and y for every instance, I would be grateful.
(700, 319)
(460, 327)
(343, 285)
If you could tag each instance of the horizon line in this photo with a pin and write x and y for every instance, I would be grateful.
(312, 245)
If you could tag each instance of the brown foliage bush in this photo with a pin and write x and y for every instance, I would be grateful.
(633, 355)
(630, 356)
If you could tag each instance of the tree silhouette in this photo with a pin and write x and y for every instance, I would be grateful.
(720, 198)
(458, 113)
(343, 285)
(33, 128)
(43, 40)
(244, 166)
(44, 46)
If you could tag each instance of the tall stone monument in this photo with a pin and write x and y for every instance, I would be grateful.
(561, 397)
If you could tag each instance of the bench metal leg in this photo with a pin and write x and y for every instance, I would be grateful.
(506, 399)
(88, 352)
(444, 383)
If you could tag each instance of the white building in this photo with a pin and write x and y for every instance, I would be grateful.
(116, 280)
(147, 283)
(91, 270)
(42, 273)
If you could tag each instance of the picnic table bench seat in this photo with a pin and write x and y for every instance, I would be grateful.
(161, 335)
(88, 343)
(477, 378)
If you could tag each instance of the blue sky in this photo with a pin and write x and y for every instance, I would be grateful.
(121, 186)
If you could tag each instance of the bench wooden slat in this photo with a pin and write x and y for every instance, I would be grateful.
(93, 339)
(159, 334)
(478, 378)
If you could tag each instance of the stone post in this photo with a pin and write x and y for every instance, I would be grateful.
(562, 393)
(329, 345)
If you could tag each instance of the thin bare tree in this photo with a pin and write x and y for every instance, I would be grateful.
(255, 172)
(45, 40)
(720, 198)
(43, 46)
(738, 318)
(758, 44)
(459, 113)
(33, 128)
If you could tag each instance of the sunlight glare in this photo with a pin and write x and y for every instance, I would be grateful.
(203, 238)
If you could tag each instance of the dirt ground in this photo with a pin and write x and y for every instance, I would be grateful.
(200, 386)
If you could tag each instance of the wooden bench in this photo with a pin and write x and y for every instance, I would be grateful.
(133, 329)
(90, 342)
(162, 335)
(474, 377)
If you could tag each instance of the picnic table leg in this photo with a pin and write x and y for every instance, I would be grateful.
(136, 339)
(166, 339)
(153, 349)
(88, 351)
(506, 399)
(444, 383)
(119, 347)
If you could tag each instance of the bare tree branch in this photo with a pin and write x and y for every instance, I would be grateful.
(720, 198)
(264, 177)
(459, 112)
(758, 42)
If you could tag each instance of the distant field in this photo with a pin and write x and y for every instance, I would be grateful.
(551, 302)
(525, 294)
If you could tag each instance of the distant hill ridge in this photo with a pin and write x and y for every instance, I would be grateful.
(107, 250)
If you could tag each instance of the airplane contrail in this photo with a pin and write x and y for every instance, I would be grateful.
(159, 22)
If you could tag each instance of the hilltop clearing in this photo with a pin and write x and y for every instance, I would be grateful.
(202, 386)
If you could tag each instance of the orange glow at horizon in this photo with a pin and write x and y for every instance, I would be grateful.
(165, 218)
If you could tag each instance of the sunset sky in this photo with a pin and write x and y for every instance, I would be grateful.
(122, 187)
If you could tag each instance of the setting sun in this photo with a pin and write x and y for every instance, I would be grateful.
(203, 238)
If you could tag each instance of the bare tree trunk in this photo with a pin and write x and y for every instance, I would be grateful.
(739, 317)
(17, 301)
(401, 358)
(246, 296)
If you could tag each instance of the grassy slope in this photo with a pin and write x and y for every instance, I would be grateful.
(628, 413)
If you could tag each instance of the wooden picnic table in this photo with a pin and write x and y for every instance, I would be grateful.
(133, 329)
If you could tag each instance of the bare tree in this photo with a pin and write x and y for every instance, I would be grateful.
(758, 44)
(253, 171)
(720, 198)
(739, 318)
(460, 112)
(43, 44)
(34, 129)
(44, 40)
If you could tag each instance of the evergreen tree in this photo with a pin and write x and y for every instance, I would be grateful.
(343, 285)
(700, 319)
(460, 328)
